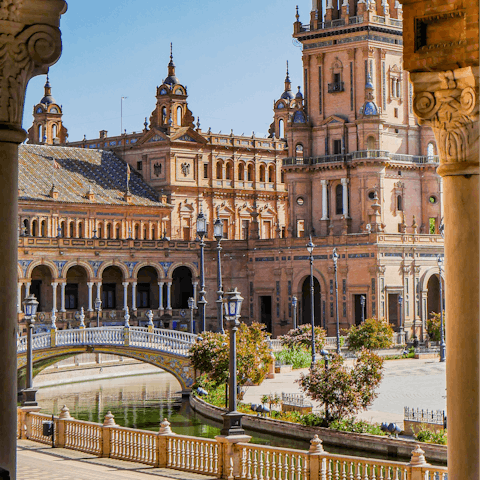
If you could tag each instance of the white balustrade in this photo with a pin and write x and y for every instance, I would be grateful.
(262, 463)
(212, 457)
(83, 436)
(40, 340)
(133, 445)
(192, 454)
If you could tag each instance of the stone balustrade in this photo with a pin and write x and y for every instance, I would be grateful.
(171, 341)
(224, 457)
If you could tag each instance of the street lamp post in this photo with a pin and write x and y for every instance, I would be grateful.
(310, 247)
(362, 303)
(232, 421)
(402, 332)
(335, 259)
(218, 234)
(294, 306)
(30, 305)
(98, 307)
(442, 336)
(201, 232)
(191, 305)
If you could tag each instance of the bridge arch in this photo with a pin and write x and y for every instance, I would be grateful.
(178, 366)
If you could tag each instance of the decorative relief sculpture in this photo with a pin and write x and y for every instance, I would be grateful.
(25, 51)
(448, 102)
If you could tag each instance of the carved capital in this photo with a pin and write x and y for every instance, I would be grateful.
(27, 48)
(448, 102)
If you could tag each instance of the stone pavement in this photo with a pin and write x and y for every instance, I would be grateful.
(406, 383)
(36, 461)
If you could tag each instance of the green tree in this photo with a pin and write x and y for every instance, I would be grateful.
(302, 337)
(346, 391)
(433, 326)
(210, 355)
(372, 334)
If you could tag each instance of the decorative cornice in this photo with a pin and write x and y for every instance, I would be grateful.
(448, 102)
(26, 49)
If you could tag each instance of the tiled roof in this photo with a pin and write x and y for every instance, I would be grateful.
(79, 170)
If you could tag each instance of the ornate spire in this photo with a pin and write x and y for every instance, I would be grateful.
(287, 94)
(47, 98)
(171, 79)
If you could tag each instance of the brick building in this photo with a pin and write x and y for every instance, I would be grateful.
(346, 163)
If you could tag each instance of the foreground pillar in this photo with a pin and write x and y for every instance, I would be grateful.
(27, 50)
(448, 102)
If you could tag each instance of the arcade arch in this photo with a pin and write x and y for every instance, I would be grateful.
(182, 287)
(305, 304)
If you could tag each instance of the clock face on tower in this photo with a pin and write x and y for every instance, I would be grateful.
(163, 91)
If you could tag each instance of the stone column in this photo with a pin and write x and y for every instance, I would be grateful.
(19, 297)
(345, 196)
(160, 296)
(134, 296)
(99, 291)
(27, 289)
(448, 102)
(125, 295)
(195, 285)
(324, 199)
(169, 296)
(27, 50)
(54, 295)
(62, 296)
(90, 288)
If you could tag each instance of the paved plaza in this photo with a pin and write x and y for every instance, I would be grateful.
(36, 461)
(406, 383)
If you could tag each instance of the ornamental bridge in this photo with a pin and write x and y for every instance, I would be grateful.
(166, 349)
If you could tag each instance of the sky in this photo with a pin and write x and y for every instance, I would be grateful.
(230, 55)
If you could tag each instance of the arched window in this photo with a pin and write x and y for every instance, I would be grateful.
(54, 131)
(40, 139)
(44, 228)
(26, 226)
(228, 171)
(153, 232)
(371, 143)
(250, 173)
(339, 199)
(34, 228)
(262, 173)
(99, 232)
(399, 86)
(145, 234)
(282, 176)
(399, 203)
(219, 170)
(164, 115)
(430, 150)
(179, 116)
(137, 232)
(271, 174)
(241, 172)
(80, 230)
(72, 233)
(281, 128)
(109, 231)
(62, 229)
(117, 232)
(299, 151)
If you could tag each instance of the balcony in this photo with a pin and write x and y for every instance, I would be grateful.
(336, 87)
(362, 154)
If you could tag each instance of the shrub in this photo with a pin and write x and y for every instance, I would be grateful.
(356, 426)
(312, 420)
(295, 356)
(210, 355)
(302, 337)
(372, 334)
(433, 326)
(427, 436)
(345, 391)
